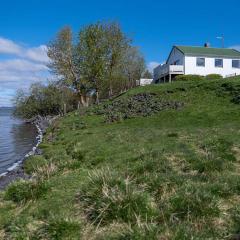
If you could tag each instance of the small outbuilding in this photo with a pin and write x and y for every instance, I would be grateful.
(144, 82)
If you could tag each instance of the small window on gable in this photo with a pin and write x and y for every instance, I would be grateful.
(219, 63)
(201, 62)
(236, 63)
(177, 62)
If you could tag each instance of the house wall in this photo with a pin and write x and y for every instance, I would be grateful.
(144, 82)
(176, 55)
(192, 68)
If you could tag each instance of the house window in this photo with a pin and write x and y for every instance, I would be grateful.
(219, 63)
(236, 63)
(201, 62)
(177, 62)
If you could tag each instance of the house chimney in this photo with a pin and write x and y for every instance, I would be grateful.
(206, 45)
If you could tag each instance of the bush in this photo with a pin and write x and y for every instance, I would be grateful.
(108, 197)
(44, 100)
(22, 191)
(33, 163)
(189, 78)
(236, 99)
(214, 77)
(233, 90)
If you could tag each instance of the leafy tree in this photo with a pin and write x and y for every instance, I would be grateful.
(102, 60)
(61, 54)
(92, 51)
(117, 44)
(63, 62)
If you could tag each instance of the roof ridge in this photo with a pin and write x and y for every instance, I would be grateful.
(235, 50)
(205, 47)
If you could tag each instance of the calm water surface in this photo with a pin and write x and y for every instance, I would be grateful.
(16, 139)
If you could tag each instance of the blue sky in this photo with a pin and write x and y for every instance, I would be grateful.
(27, 26)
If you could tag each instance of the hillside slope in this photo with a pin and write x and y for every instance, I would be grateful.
(170, 171)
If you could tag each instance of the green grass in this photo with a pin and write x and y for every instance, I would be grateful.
(172, 175)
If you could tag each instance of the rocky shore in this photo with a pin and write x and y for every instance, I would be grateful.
(16, 172)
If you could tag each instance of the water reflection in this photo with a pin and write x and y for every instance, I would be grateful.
(16, 139)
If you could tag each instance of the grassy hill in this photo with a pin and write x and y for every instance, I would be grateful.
(159, 162)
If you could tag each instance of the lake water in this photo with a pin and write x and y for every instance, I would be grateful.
(16, 139)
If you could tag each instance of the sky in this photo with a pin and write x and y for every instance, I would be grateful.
(27, 26)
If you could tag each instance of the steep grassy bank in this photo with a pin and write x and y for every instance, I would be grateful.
(121, 174)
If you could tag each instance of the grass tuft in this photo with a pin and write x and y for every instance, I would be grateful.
(108, 197)
(22, 191)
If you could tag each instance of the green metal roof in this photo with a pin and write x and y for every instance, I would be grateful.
(208, 51)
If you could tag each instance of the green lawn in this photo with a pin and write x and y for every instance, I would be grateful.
(171, 175)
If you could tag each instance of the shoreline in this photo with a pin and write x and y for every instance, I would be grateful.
(16, 171)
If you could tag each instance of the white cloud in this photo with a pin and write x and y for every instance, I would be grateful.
(152, 65)
(12, 80)
(9, 47)
(22, 67)
(38, 54)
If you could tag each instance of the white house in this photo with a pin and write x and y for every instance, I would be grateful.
(144, 82)
(198, 60)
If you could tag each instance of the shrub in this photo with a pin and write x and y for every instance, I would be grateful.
(33, 163)
(22, 191)
(188, 78)
(213, 76)
(233, 90)
(108, 197)
(236, 99)
(44, 100)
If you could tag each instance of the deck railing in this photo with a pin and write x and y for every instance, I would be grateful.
(166, 69)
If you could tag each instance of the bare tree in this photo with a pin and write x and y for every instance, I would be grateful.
(134, 66)
(147, 74)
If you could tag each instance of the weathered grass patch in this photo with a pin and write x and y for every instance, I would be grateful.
(109, 197)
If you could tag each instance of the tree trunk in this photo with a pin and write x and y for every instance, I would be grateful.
(83, 100)
(97, 96)
(87, 101)
(110, 88)
(64, 109)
